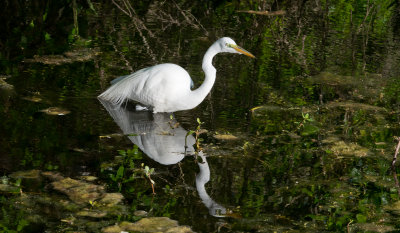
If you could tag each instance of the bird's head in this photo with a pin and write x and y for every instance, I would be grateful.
(227, 45)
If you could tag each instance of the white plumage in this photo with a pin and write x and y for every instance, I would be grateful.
(166, 87)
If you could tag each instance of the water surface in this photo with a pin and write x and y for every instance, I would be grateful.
(299, 139)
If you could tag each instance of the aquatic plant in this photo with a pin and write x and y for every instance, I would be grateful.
(197, 133)
(128, 171)
(148, 171)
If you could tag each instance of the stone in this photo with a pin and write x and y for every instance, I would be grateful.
(112, 229)
(78, 191)
(140, 213)
(88, 178)
(31, 174)
(370, 227)
(55, 111)
(54, 176)
(225, 137)
(9, 189)
(179, 229)
(92, 213)
(154, 224)
(111, 199)
(6, 90)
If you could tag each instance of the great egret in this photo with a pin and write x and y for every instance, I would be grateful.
(166, 87)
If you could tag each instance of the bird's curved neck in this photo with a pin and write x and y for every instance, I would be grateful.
(200, 93)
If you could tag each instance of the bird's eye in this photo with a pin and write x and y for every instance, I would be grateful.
(228, 45)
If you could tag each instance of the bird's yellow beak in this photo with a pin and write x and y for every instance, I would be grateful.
(243, 51)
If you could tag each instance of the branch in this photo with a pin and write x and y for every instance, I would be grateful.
(268, 13)
(128, 14)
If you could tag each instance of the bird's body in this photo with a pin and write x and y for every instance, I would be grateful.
(167, 87)
(153, 86)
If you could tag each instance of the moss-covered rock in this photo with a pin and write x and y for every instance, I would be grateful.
(111, 199)
(30, 174)
(151, 224)
(78, 191)
(9, 188)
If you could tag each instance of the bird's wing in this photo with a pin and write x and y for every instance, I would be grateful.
(154, 86)
(114, 81)
(126, 87)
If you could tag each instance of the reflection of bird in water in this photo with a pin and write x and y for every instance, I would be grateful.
(202, 178)
(157, 135)
(167, 87)
(163, 140)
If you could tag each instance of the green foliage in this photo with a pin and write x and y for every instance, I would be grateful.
(126, 172)
(11, 221)
(361, 218)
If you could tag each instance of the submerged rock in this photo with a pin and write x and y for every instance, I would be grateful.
(225, 137)
(365, 80)
(370, 227)
(393, 208)
(55, 111)
(140, 213)
(342, 148)
(82, 193)
(31, 174)
(54, 176)
(112, 229)
(79, 192)
(92, 213)
(35, 98)
(152, 224)
(6, 90)
(366, 86)
(179, 229)
(111, 199)
(379, 180)
(77, 55)
(334, 79)
(354, 106)
(9, 188)
(88, 178)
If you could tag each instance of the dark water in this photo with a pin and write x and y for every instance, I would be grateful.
(299, 139)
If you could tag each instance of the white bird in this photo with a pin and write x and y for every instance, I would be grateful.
(167, 87)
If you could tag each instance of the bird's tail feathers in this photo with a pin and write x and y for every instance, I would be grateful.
(119, 92)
